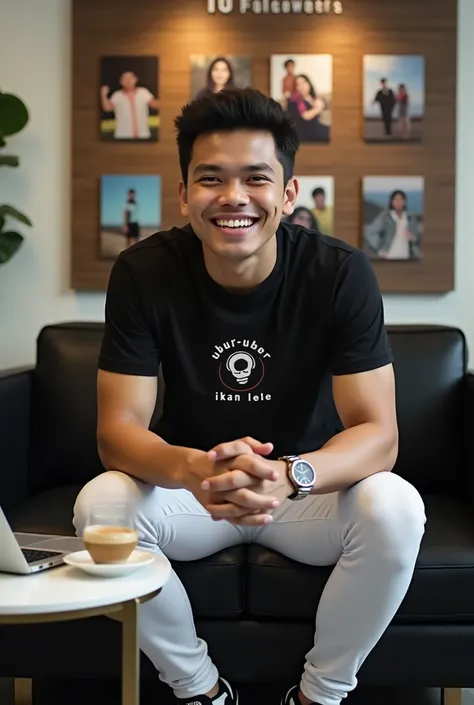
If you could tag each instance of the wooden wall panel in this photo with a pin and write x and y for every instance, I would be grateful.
(174, 29)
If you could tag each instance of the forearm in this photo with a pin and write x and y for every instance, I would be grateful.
(107, 105)
(137, 451)
(353, 455)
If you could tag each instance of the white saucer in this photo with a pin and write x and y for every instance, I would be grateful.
(136, 560)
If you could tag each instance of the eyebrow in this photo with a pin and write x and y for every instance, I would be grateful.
(263, 166)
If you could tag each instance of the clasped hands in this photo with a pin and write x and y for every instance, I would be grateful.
(236, 482)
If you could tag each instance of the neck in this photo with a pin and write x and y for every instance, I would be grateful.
(242, 275)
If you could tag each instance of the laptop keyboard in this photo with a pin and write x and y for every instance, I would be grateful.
(34, 554)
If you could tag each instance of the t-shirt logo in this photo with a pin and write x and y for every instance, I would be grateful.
(240, 370)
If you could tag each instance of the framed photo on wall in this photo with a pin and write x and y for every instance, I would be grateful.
(393, 208)
(394, 98)
(130, 211)
(210, 74)
(302, 84)
(315, 204)
(128, 98)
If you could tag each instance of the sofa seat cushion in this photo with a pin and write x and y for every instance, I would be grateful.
(442, 588)
(215, 585)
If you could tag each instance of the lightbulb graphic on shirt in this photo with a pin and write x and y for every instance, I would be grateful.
(241, 370)
(241, 364)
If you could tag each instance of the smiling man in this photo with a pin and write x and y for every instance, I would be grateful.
(279, 422)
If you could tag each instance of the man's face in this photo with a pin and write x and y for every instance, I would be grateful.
(235, 195)
(320, 201)
(128, 80)
(290, 68)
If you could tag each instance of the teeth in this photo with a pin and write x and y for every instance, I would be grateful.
(242, 223)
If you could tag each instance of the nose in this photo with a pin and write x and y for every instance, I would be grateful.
(233, 194)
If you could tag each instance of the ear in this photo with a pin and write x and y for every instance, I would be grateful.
(291, 194)
(183, 198)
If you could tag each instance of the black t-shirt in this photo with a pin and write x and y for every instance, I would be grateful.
(234, 364)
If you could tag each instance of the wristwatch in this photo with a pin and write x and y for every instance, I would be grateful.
(302, 475)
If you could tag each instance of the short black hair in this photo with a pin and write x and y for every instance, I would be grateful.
(289, 61)
(397, 192)
(236, 109)
(319, 191)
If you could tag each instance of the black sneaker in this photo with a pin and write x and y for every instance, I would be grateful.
(291, 698)
(227, 695)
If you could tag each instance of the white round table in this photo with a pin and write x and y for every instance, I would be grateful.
(64, 593)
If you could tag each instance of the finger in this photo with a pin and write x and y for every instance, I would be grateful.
(232, 480)
(251, 501)
(256, 466)
(230, 449)
(240, 502)
(257, 447)
(251, 520)
(226, 510)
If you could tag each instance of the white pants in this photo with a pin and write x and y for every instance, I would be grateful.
(371, 533)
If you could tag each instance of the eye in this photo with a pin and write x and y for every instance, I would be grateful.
(259, 178)
(208, 179)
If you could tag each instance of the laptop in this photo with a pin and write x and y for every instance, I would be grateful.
(24, 553)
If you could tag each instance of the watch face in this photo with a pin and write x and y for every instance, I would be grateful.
(303, 473)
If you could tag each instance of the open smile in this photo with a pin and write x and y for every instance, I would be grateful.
(236, 226)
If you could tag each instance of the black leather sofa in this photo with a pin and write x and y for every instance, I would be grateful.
(254, 607)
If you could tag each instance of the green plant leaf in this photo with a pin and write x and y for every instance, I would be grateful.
(2, 222)
(13, 114)
(9, 160)
(10, 242)
(14, 213)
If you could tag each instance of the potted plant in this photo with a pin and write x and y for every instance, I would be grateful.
(14, 117)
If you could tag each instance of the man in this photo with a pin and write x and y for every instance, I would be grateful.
(131, 222)
(288, 84)
(322, 212)
(385, 97)
(254, 321)
(130, 104)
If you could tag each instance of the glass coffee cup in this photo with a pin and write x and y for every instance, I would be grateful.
(109, 534)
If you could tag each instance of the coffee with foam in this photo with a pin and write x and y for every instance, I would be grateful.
(109, 544)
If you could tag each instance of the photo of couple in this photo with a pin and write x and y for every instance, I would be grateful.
(302, 84)
(315, 204)
(394, 98)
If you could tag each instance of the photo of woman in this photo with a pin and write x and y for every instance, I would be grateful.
(213, 74)
(302, 84)
(393, 217)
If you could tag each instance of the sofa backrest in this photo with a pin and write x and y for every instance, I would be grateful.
(430, 364)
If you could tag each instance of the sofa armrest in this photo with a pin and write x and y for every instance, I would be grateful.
(15, 422)
(468, 422)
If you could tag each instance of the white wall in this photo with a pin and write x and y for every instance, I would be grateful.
(35, 62)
